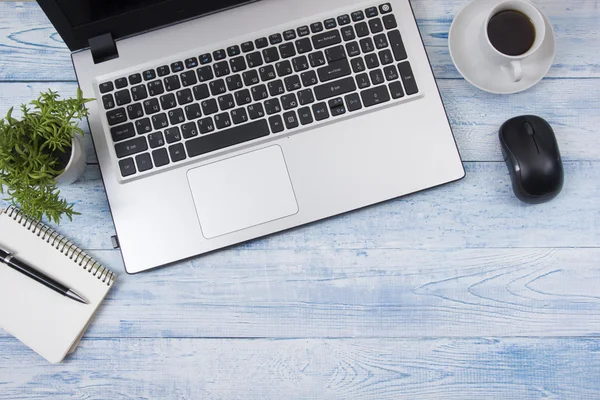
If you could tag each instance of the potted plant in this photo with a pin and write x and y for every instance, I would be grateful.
(41, 150)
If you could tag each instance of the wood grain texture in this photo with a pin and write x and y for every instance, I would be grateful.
(32, 51)
(482, 368)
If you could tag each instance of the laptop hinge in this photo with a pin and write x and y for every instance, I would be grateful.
(103, 48)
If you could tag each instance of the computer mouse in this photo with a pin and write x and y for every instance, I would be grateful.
(533, 159)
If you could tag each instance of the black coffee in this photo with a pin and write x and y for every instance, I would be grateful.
(511, 32)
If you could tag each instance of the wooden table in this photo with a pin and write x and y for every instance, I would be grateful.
(460, 292)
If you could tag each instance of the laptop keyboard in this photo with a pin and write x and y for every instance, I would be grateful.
(269, 86)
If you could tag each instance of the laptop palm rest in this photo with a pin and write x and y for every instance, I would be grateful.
(242, 191)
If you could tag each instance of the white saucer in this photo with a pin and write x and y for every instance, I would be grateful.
(463, 41)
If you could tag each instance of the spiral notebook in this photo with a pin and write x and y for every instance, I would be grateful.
(47, 322)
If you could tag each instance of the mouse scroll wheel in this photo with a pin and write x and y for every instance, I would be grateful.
(529, 129)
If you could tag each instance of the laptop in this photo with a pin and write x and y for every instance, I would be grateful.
(217, 122)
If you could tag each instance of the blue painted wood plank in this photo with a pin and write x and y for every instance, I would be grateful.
(478, 368)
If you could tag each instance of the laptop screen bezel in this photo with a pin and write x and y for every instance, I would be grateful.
(128, 23)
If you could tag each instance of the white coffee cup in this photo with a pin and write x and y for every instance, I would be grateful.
(512, 64)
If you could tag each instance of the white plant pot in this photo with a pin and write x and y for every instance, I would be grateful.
(76, 166)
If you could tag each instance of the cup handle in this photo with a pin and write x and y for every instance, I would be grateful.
(517, 71)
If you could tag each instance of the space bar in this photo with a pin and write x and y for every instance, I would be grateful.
(225, 138)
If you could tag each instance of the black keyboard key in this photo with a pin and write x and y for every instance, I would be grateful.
(205, 58)
(127, 167)
(305, 97)
(358, 65)
(177, 152)
(362, 81)
(353, 102)
(375, 25)
(188, 78)
(254, 59)
(217, 87)
(131, 147)
(300, 63)
(149, 75)
(408, 79)
(139, 92)
(233, 51)
(385, 8)
(159, 121)
(135, 79)
(320, 111)
(191, 62)
(134, 111)
(289, 101)
(151, 106)
(377, 77)
(391, 73)
(239, 116)
(343, 19)
(189, 130)
(221, 68)
(287, 50)
(201, 92)
(256, 111)
(108, 101)
(276, 124)
(176, 116)
(337, 107)
(396, 90)
(348, 33)
(275, 39)
(316, 27)
(358, 16)
(177, 66)
(292, 83)
(261, 42)
(326, 39)
(222, 120)
(362, 29)
(205, 73)
(155, 88)
(120, 83)
(290, 119)
(380, 41)
(330, 23)
(251, 77)
(184, 97)
(122, 97)
(335, 88)
(163, 70)
(303, 31)
(395, 40)
(172, 83)
(386, 57)
(366, 45)
(193, 112)
(353, 49)
(267, 73)
(172, 135)
(276, 88)
(122, 132)
(272, 106)
(226, 102)
(270, 55)
(168, 101)
(206, 125)
(334, 70)
(259, 92)
(143, 126)
(372, 60)
(242, 97)
(227, 138)
(305, 116)
(335, 53)
(376, 95)
(116, 116)
(156, 140)
(219, 54)
(316, 59)
(106, 87)
(371, 12)
(289, 34)
(160, 157)
(283, 68)
(247, 47)
(389, 21)
(238, 64)
(303, 45)
(209, 106)
(234, 82)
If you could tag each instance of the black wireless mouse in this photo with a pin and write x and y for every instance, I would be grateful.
(533, 158)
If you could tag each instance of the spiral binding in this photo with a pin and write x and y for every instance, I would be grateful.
(62, 244)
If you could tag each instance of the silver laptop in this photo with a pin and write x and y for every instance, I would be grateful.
(217, 122)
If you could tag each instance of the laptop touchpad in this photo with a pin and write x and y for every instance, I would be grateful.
(242, 191)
